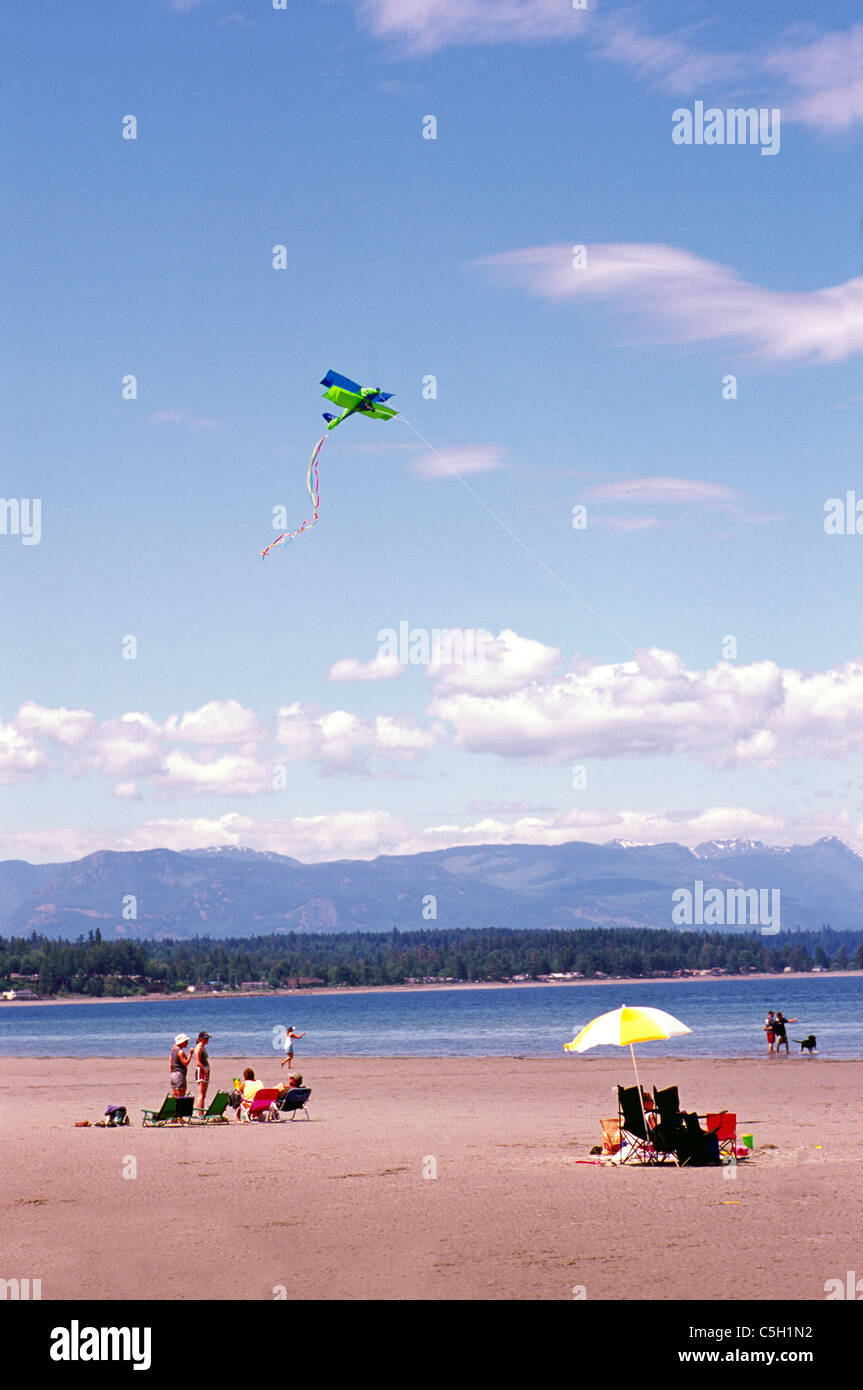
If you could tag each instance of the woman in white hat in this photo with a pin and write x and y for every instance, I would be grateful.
(179, 1063)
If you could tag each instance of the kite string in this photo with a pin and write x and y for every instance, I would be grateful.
(284, 538)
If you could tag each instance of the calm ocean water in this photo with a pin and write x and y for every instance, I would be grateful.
(725, 1017)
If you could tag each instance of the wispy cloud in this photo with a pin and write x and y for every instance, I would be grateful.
(449, 463)
(824, 76)
(677, 297)
(816, 76)
(195, 423)
(672, 491)
(423, 26)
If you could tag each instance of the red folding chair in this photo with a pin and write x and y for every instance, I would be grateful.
(260, 1107)
(724, 1126)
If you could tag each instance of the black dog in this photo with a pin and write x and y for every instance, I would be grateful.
(809, 1044)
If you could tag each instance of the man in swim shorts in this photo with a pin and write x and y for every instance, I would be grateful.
(769, 1030)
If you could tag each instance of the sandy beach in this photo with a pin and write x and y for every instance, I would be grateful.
(345, 1207)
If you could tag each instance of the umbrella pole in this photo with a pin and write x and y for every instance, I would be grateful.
(640, 1096)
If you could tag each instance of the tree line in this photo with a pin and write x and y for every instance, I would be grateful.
(91, 966)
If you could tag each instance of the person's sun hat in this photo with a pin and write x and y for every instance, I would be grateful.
(180, 1038)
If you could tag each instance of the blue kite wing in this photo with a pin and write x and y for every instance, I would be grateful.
(344, 383)
(336, 379)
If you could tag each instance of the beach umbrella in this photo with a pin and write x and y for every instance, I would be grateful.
(624, 1027)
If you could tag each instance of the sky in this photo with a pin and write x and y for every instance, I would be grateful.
(627, 375)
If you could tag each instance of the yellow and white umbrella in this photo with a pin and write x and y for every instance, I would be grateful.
(624, 1027)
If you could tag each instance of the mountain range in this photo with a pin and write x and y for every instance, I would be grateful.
(222, 892)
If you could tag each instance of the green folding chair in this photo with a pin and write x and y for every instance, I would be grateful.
(179, 1108)
(215, 1111)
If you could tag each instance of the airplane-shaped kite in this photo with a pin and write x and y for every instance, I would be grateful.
(353, 399)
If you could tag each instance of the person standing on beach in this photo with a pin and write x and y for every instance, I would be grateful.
(202, 1069)
(179, 1065)
(769, 1027)
(289, 1040)
(779, 1030)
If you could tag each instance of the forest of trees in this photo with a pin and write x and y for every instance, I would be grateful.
(91, 966)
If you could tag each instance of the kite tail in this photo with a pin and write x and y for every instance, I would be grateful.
(284, 538)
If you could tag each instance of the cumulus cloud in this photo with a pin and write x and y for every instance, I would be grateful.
(19, 756)
(343, 742)
(653, 706)
(511, 697)
(219, 721)
(380, 668)
(680, 298)
(496, 665)
(229, 774)
(66, 726)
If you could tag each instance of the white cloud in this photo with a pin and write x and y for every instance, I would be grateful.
(680, 298)
(218, 721)
(380, 668)
(815, 77)
(226, 775)
(343, 742)
(506, 662)
(428, 25)
(19, 757)
(366, 834)
(66, 726)
(665, 491)
(449, 463)
(653, 706)
(825, 78)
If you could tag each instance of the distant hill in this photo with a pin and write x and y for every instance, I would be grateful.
(234, 892)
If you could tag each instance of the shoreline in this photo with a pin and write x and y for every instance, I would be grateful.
(623, 980)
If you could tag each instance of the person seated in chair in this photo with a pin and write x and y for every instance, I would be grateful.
(251, 1086)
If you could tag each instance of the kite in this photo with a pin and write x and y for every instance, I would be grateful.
(353, 400)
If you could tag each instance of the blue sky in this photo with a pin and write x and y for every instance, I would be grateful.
(409, 257)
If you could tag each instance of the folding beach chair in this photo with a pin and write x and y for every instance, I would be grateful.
(215, 1111)
(292, 1103)
(665, 1135)
(610, 1136)
(724, 1126)
(172, 1108)
(635, 1146)
(697, 1148)
(260, 1106)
